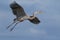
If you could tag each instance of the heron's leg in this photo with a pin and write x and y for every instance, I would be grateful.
(11, 24)
(14, 26)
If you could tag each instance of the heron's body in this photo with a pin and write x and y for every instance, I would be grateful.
(20, 14)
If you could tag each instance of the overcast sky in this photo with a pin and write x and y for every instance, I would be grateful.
(48, 29)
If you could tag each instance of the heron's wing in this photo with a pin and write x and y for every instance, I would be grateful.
(17, 10)
(35, 20)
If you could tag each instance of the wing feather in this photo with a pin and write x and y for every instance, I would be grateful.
(35, 20)
(17, 10)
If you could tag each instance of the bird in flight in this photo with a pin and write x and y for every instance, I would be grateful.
(20, 14)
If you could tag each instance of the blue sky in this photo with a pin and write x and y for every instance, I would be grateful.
(48, 29)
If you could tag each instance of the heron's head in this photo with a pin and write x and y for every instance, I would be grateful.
(37, 12)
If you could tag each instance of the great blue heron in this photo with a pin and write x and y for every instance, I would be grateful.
(20, 14)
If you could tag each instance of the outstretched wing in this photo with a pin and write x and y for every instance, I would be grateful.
(35, 20)
(17, 10)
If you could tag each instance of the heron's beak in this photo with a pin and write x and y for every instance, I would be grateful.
(38, 12)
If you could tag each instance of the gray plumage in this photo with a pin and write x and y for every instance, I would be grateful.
(20, 14)
(17, 10)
